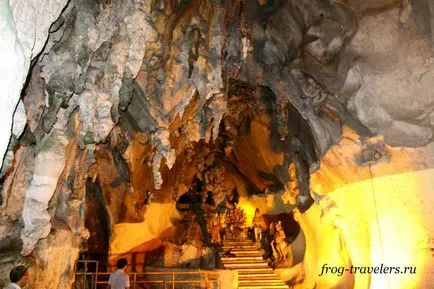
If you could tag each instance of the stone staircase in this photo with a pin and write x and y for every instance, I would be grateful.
(253, 271)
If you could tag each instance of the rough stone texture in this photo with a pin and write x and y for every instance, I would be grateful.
(32, 22)
(11, 259)
(396, 95)
(429, 152)
(115, 44)
(362, 212)
(55, 254)
(14, 66)
(354, 154)
(24, 28)
(186, 255)
(34, 102)
(140, 99)
(49, 164)
(407, 135)
(126, 236)
(13, 195)
(19, 121)
(423, 16)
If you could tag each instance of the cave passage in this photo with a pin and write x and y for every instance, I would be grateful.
(209, 196)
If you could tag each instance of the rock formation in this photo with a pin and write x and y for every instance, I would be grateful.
(118, 109)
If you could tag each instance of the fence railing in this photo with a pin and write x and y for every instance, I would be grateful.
(144, 280)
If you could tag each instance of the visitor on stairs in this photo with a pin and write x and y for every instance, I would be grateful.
(119, 279)
(19, 277)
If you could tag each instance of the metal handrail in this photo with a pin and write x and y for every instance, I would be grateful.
(194, 272)
(207, 277)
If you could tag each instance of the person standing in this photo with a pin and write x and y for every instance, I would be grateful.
(119, 279)
(19, 277)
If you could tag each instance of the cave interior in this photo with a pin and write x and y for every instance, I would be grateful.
(154, 130)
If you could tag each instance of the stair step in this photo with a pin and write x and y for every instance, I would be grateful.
(242, 258)
(243, 266)
(240, 248)
(239, 245)
(246, 254)
(238, 241)
(258, 277)
(246, 265)
(232, 250)
(261, 286)
(242, 252)
(229, 245)
(242, 275)
(264, 281)
(261, 280)
(246, 262)
(254, 270)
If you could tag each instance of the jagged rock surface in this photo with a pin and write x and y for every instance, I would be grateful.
(140, 97)
(24, 27)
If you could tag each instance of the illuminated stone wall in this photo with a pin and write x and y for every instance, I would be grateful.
(364, 222)
(136, 239)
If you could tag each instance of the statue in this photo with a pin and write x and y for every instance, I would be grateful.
(279, 244)
(215, 229)
(258, 222)
(230, 223)
(242, 225)
(272, 229)
(223, 226)
(239, 223)
(267, 238)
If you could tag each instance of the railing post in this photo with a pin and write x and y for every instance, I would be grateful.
(135, 280)
(85, 272)
(173, 280)
(96, 275)
(205, 277)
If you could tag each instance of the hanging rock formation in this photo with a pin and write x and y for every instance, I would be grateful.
(122, 107)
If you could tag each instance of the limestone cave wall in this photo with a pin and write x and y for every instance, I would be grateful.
(116, 108)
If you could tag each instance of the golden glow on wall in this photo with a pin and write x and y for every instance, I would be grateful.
(249, 210)
(368, 222)
(350, 230)
(126, 236)
(404, 226)
(340, 166)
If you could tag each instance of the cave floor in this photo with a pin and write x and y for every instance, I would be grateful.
(253, 271)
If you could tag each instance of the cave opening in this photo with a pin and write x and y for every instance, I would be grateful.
(254, 163)
(97, 220)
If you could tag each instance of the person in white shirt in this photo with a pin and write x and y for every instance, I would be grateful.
(19, 277)
(119, 279)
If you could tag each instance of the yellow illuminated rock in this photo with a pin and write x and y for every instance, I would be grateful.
(127, 236)
(364, 222)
